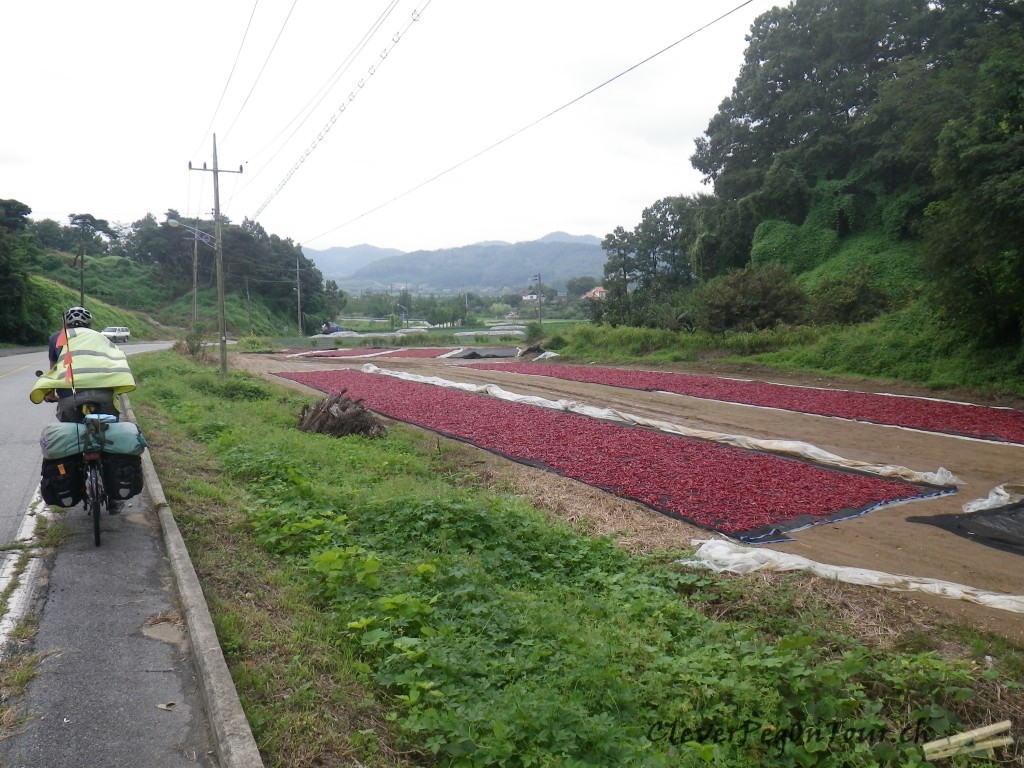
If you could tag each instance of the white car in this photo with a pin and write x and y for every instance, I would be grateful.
(116, 333)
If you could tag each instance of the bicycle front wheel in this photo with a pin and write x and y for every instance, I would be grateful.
(94, 497)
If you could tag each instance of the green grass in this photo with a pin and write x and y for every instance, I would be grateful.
(908, 345)
(375, 604)
(57, 298)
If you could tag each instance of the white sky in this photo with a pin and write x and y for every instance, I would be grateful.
(106, 103)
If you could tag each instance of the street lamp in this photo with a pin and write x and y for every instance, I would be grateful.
(197, 237)
(222, 323)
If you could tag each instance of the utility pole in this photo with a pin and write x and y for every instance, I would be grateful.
(195, 278)
(222, 321)
(248, 303)
(81, 270)
(298, 293)
(540, 297)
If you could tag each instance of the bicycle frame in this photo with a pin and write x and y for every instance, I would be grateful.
(95, 493)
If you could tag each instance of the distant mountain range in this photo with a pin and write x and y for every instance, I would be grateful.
(492, 267)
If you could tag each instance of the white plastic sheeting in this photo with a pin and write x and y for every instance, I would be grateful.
(726, 556)
(941, 477)
(1000, 496)
(465, 334)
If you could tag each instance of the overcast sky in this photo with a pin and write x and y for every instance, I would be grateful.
(106, 103)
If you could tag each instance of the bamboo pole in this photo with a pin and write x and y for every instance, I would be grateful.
(969, 742)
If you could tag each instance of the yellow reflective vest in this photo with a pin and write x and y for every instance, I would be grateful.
(95, 362)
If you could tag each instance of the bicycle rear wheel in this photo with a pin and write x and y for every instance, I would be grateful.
(94, 497)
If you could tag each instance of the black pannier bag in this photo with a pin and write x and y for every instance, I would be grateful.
(122, 475)
(62, 483)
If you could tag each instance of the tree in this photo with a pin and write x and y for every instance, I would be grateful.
(90, 235)
(49, 234)
(575, 287)
(975, 233)
(620, 271)
(811, 70)
(334, 299)
(13, 216)
(21, 320)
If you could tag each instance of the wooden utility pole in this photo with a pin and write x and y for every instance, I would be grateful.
(540, 297)
(248, 303)
(298, 293)
(195, 278)
(221, 319)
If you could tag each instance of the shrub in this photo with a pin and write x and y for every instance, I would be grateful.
(750, 299)
(802, 248)
(253, 343)
(193, 344)
(845, 299)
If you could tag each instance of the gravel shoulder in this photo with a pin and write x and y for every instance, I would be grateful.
(881, 540)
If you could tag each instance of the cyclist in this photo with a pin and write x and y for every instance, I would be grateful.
(85, 367)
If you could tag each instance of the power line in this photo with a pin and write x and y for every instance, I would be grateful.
(322, 134)
(518, 132)
(238, 55)
(321, 93)
(260, 74)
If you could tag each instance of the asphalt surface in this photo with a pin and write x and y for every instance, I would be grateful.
(130, 671)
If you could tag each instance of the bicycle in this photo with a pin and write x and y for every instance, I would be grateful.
(95, 492)
(91, 409)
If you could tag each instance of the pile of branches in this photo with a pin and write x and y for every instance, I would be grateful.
(339, 415)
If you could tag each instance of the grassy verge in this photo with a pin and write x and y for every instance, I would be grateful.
(379, 605)
(904, 346)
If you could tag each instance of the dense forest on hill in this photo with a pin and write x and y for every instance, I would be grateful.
(870, 156)
(154, 269)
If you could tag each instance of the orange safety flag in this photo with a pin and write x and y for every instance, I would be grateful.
(62, 341)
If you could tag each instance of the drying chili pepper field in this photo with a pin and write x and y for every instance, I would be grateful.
(749, 495)
(983, 422)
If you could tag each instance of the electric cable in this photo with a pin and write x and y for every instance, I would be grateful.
(238, 55)
(323, 91)
(519, 131)
(322, 134)
(259, 75)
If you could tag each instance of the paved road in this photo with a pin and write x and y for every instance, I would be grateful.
(19, 443)
(119, 683)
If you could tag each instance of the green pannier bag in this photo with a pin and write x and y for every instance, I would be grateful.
(123, 437)
(62, 439)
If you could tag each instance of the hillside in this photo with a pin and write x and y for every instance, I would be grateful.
(491, 267)
(339, 262)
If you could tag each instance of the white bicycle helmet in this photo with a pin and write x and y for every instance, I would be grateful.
(78, 317)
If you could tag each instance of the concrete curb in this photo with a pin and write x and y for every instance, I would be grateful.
(236, 747)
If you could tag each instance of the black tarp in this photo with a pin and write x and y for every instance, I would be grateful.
(1001, 528)
(477, 353)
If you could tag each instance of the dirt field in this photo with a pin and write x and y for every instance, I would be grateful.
(882, 540)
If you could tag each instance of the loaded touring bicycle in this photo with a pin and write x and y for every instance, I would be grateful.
(89, 454)
(95, 459)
